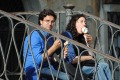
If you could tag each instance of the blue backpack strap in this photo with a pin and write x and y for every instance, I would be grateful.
(42, 36)
(67, 34)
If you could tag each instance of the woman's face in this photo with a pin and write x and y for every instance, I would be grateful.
(80, 23)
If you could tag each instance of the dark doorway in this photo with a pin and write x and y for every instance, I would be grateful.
(5, 36)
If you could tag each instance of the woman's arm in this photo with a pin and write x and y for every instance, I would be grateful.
(82, 58)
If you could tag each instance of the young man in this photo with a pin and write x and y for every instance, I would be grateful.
(34, 55)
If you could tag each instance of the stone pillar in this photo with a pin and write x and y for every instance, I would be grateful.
(103, 30)
(68, 8)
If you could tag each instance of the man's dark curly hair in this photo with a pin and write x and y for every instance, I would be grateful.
(44, 13)
(71, 27)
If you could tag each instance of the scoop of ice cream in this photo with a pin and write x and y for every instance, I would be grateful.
(85, 30)
(66, 43)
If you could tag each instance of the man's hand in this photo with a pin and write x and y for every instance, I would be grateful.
(52, 49)
(56, 44)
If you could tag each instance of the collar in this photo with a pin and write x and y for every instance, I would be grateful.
(45, 33)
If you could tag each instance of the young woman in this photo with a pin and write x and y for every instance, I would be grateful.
(74, 31)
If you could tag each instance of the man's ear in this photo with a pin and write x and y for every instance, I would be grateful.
(41, 21)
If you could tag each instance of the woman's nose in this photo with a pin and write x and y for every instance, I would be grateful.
(84, 25)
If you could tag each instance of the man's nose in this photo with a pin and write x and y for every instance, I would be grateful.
(51, 22)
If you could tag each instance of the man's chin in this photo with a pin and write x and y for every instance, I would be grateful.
(49, 29)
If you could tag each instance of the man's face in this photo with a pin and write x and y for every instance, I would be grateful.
(47, 22)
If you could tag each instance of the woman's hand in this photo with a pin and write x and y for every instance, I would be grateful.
(88, 38)
(65, 52)
(65, 49)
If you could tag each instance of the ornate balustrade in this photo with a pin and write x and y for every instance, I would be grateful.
(15, 27)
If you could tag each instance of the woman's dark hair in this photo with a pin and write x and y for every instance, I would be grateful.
(71, 27)
(44, 13)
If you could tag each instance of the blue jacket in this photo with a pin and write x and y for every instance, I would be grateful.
(71, 52)
(37, 48)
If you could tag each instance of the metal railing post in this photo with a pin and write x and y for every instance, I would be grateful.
(68, 8)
